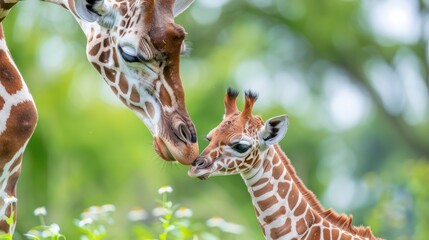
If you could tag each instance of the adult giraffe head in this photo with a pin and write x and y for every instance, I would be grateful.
(136, 46)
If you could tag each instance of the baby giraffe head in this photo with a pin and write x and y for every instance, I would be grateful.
(238, 142)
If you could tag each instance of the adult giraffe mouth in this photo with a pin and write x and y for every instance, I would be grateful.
(162, 149)
(175, 151)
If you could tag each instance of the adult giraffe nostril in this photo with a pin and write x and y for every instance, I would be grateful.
(185, 134)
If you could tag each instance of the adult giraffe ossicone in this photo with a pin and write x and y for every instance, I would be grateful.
(135, 45)
(285, 208)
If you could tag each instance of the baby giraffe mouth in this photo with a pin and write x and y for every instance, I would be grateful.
(202, 174)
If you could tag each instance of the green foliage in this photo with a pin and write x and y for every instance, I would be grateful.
(43, 231)
(177, 223)
(170, 222)
(10, 221)
(403, 202)
(94, 221)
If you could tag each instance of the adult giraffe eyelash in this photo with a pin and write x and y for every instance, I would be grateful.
(186, 48)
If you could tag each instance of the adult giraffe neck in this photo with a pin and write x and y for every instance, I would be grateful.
(286, 209)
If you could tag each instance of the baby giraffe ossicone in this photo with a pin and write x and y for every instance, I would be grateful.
(285, 207)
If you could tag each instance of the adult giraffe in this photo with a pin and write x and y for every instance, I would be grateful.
(135, 45)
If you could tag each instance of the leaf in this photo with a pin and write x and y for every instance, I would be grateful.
(9, 220)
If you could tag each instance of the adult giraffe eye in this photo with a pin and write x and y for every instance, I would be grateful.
(240, 147)
(127, 55)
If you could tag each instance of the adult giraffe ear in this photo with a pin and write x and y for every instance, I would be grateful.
(273, 131)
(180, 6)
(90, 10)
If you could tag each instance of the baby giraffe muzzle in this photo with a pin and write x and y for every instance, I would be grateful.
(200, 168)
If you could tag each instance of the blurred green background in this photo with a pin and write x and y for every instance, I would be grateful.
(351, 74)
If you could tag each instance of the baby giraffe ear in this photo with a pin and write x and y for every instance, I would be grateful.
(90, 10)
(274, 130)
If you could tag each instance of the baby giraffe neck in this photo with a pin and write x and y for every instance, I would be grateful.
(286, 209)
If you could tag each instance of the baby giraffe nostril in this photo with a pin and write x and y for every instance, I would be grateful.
(199, 163)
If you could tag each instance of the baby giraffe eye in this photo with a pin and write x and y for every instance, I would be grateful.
(240, 147)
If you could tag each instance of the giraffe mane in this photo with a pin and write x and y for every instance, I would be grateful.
(342, 221)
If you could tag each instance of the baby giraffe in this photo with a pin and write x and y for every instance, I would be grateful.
(285, 208)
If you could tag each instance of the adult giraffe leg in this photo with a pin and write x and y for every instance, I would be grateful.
(18, 117)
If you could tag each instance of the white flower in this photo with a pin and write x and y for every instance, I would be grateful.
(86, 221)
(224, 225)
(165, 189)
(232, 228)
(195, 237)
(208, 236)
(108, 208)
(159, 211)
(215, 222)
(92, 212)
(32, 234)
(137, 214)
(170, 228)
(183, 213)
(54, 228)
(40, 211)
(46, 234)
(10, 199)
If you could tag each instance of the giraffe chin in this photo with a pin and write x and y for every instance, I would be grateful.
(180, 152)
(162, 150)
(193, 172)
